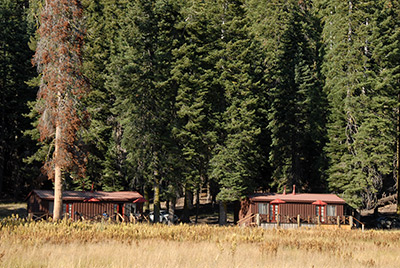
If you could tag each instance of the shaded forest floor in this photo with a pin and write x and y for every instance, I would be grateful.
(11, 208)
(208, 211)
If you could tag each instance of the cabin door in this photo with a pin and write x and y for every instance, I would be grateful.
(274, 211)
(320, 212)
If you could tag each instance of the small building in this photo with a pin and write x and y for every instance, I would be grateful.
(306, 209)
(87, 205)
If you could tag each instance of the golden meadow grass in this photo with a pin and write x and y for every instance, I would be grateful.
(82, 244)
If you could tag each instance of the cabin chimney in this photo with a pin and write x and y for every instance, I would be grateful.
(294, 189)
(284, 190)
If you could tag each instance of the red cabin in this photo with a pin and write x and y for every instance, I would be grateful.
(87, 205)
(269, 209)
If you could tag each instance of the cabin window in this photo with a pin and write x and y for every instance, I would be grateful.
(263, 208)
(130, 208)
(331, 210)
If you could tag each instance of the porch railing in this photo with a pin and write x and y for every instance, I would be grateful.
(257, 219)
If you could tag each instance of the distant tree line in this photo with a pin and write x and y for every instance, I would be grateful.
(219, 95)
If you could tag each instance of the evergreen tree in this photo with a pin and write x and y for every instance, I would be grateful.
(58, 57)
(15, 70)
(385, 57)
(144, 90)
(362, 123)
(239, 75)
(106, 158)
(289, 33)
(198, 95)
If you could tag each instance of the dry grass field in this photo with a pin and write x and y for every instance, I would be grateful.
(81, 244)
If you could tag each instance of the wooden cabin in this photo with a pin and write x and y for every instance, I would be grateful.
(270, 209)
(87, 205)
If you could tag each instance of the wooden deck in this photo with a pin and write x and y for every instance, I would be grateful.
(295, 222)
(287, 226)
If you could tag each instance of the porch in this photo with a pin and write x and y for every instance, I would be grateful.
(298, 221)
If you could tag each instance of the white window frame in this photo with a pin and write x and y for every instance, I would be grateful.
(263, 208)
(329, 209)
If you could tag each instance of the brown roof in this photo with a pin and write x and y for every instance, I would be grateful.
(297, 198)
(122, 196)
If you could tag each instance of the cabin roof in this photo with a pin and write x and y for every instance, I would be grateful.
(121, 196)
(297, 198)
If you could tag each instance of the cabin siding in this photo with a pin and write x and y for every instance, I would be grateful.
(84, 209)
(339, 210)
(294, 209)
(90, 209)
(289, 207)
(35, 204)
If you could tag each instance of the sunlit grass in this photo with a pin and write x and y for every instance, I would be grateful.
(83, 244)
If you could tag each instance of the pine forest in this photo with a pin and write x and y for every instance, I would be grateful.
(176, 98)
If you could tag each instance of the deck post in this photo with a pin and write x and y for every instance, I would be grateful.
(351, 221)
(338, 221)
(298, 221)
(258, 219)
(278, 221)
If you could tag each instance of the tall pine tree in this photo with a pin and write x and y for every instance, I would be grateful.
(289, 34)
(58, 57)
(362, 119)
(106, 161)
(239, 74)
(15, 70)
(145, 93)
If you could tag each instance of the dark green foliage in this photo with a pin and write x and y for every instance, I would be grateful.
(145, 92)
(106, 157)
(362, 122)
(15, 70)
(240, 95)
(289, 33)
(234, 163)
(193, 72)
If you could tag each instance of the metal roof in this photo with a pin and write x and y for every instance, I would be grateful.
(121, 196)
(297, 198)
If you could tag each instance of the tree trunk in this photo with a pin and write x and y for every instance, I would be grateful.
(57, 212)
(156, 201)
(398, 156)
(222, 213)
(190, 199)
(171, 210)
(146, 205)
(236, 211)
(185, 216)
(2, 165)
(197, 202)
